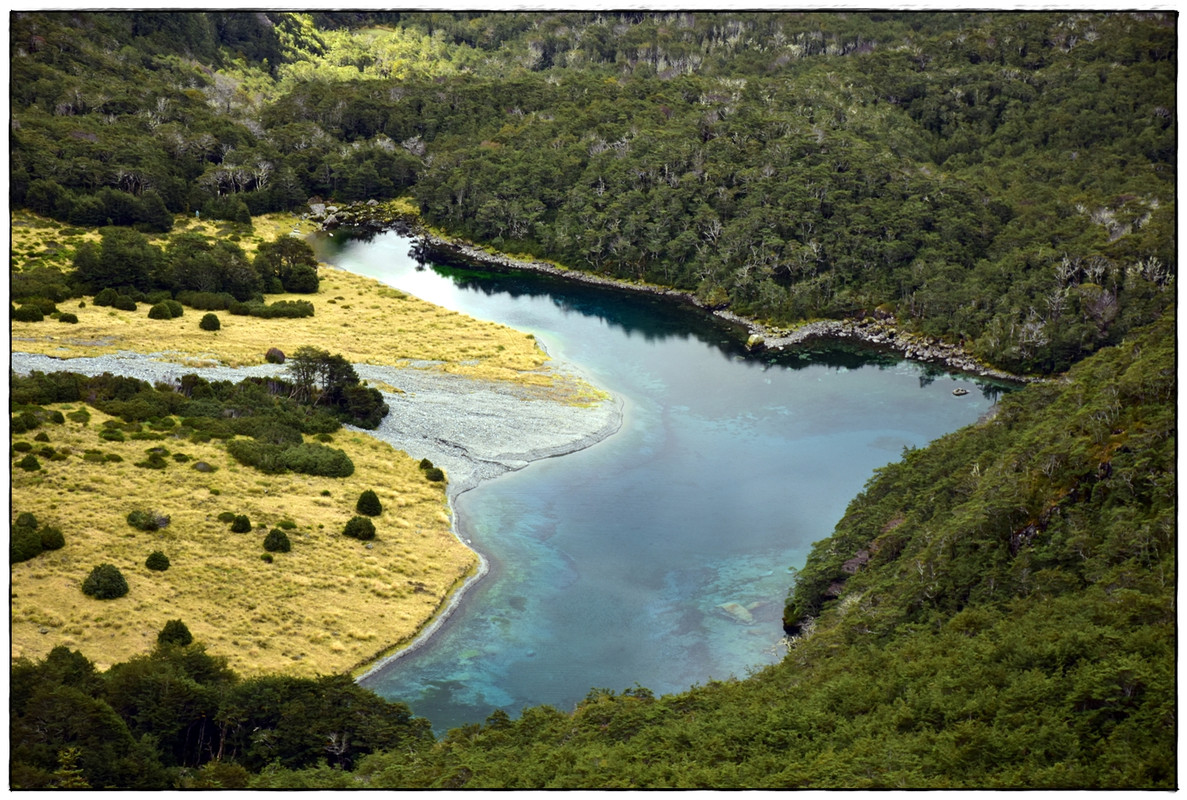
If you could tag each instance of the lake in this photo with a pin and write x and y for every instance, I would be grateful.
(661, 556)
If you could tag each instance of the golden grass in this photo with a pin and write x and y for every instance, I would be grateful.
(328, 606)
(357, 317)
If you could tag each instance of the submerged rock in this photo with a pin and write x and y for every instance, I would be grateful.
(738, 612)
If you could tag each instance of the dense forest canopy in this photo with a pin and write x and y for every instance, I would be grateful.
(995, 610)
(1004, 180)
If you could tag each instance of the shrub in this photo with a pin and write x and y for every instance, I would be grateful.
(123, 303)
(316, 459)
(240, 309)
(266, 558)
(24, 545)
(206, 301)
(28, 313)
(22, 447)
(181, 458)
(277, 541)
(435, 474)
(175, 308)
(51, 538)
(426, 464)
(106, 297)
(175, 632)
(112, 435)
(157, 561)
(143, 520)
(203, 466)
(286, 524)
(209, 322)
(274, 356)
(41, 437)
(105, 582)
(359, 528)
(68, 317)
(29, 463)
(226, 517)
(160, 311)
(154, 461)
(369, 504)
(241, 524)
(25, 520)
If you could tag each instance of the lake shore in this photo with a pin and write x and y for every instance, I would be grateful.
(879, 333)
(473, 429)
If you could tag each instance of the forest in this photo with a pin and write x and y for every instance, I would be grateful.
(994, 610)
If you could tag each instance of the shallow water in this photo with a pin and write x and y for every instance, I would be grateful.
(659, 557)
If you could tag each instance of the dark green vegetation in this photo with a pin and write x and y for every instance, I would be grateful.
(28, 539)
(1003, 180)
(105, 582)
(177, 717)
(359, 528)
(996, 610)
(368, 503)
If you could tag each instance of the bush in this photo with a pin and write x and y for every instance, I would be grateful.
(241, 524)
(175, 632)
(175, 308)
(226, 517)
(203, 466)
(359, 528)
(426, 464)
(22, 447)
(160, 311)
(29, 463)
(51, 538)
(369, 504)
(286, 524)
(123, 303)
(25, 520)
(277, 541)
(106, 297)
(68, 317)
(206, 301)
(274, 356)
(28, 313)
(112, 435)
(157, 561)
(105, 582)
(209, 322)
(147, 520)
(154, 461)
(435, 474)
(24, 545)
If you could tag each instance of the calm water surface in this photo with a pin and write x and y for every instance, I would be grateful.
(659, 557)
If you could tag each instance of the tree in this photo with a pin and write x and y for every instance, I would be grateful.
(359, 528)
(291, 261)
(105, 582)
(277, 541)
(175, 632)
(369, 504)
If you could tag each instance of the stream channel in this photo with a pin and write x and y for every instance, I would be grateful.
(661, 556)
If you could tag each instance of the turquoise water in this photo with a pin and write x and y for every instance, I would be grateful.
(659, 557)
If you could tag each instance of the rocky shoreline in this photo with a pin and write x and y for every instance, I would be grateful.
(881, 333)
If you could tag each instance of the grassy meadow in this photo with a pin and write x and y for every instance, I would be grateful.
(329, 605)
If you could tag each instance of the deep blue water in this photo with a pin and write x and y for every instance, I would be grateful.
(619, 565)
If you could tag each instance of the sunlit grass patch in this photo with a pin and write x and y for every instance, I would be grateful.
(311, 602)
